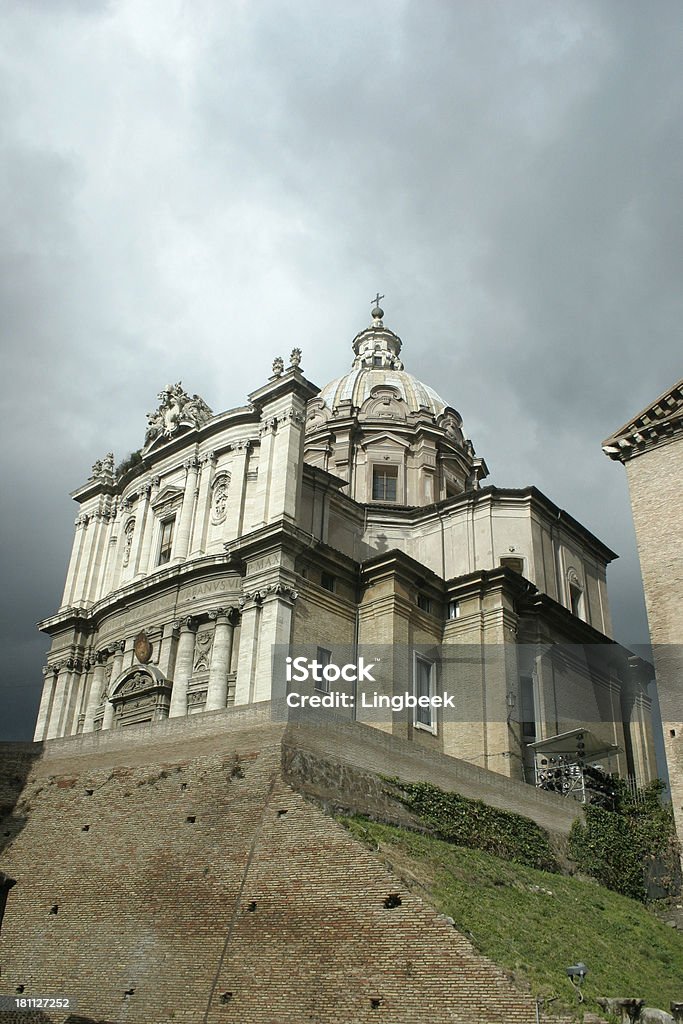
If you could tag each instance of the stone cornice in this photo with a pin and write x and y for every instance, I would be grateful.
(530, 497)
(291, 382)
(171, 575)
(657, 424)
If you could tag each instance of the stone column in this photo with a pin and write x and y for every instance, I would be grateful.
(143, 566)
(198, 545)
(109, 576)
(249, 634)
(217, 694)
(116, 668)
(100, 527)
(261, 499)
(182, 539)
(233, 525)
(183, 667)
(60, 704)
(82, 581)
(141, 514)
(79, 538)
(96, 687)
(107, 553)
(45, 703)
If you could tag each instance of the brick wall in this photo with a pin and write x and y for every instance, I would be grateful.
(655, 481)
(262, 895)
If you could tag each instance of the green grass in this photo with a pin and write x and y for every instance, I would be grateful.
(535, 924)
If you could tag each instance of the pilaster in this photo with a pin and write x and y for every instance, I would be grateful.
(207, 463)
(49, 672)
(182, 539)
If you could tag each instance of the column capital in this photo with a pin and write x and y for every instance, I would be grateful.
(187, 624)
(228, 614)
(207, 457)
(242, 446)
(191, 464)
(268, 425)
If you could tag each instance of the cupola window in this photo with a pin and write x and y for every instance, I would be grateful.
(384, 483)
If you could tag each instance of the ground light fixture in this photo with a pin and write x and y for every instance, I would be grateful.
(576, 975)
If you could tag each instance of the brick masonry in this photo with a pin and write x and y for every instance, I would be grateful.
(189, 870)
(654, 479)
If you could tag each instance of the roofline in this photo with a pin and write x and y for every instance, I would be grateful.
(634, 437)
(491, 491)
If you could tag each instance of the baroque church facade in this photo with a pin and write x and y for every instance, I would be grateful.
(350, 518)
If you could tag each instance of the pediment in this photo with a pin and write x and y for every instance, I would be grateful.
(385, 440)
(385, 402)
(168, 495)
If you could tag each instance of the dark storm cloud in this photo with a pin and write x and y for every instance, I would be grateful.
(190, 190)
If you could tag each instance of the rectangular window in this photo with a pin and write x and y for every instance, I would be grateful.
(323, 657)
(424, 603)
(516, 564)
(327, 581)
(424, 687)
(166, 543)
(384, 483)
(377, 360)
(528, 713)
(453, 609)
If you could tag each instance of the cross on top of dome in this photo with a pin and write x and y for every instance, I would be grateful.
(377, 311)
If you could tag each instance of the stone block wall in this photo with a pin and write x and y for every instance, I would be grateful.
(654, 479)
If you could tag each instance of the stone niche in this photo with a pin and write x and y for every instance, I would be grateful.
(142, 695)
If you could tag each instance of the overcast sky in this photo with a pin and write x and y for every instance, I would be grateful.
(191, 188)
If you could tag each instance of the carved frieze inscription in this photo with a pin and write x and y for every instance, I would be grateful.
(213, 587)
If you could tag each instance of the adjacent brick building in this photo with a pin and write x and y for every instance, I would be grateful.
(650, 446)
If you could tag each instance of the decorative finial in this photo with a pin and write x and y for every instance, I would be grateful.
(278, 366)
(377, 311)
(295, 357)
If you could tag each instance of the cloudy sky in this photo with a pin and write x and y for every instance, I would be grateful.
(191, 188)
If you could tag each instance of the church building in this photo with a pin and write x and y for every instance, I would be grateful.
(344, 523)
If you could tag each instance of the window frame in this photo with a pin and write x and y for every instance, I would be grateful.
(389, 471)
(329, 578)
(431, 726)
(168, 521)
(324, 657)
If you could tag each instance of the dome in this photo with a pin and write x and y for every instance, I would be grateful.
(391, 437)
(357, 386)
(377, 365)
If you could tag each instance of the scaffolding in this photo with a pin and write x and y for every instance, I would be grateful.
(576, 764)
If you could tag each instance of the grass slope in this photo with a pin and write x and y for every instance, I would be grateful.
(535, 924)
